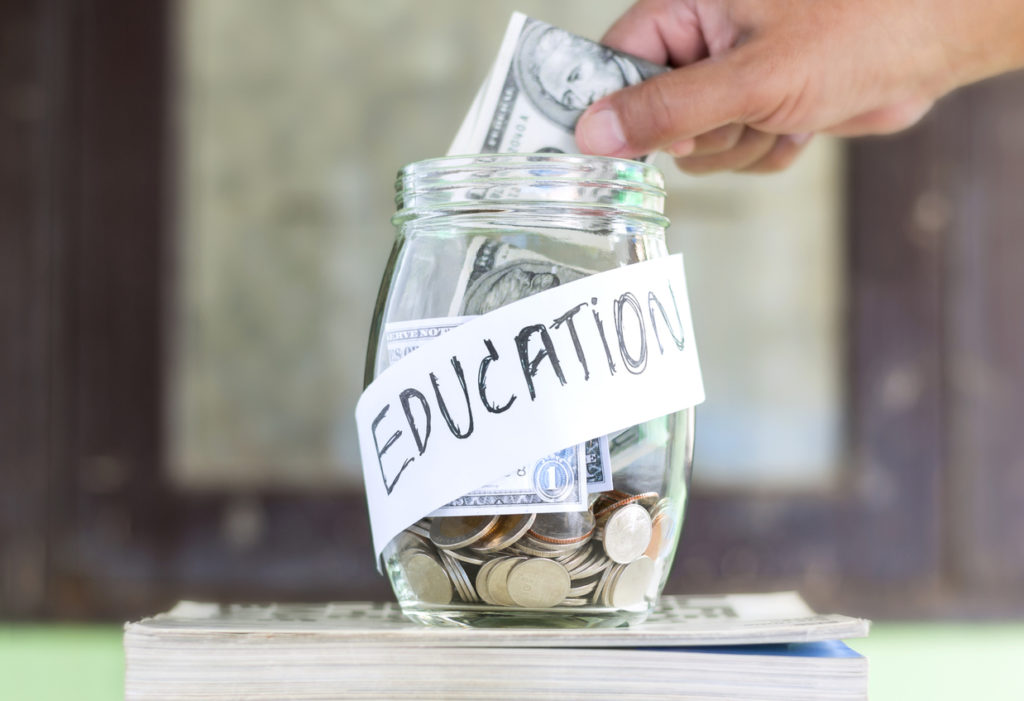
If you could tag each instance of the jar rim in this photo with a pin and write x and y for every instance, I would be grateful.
(453, 183)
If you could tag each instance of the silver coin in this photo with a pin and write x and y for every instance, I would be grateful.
(573, 560)
(538, 583)
(482, 587)
(506, 532)
(467, 556)
(627, 533)
(459, 577)
(460, 531)
(404, 542)
(420, 528)
(582, 590)
(497, 580)
(597, 564)
(632, 582)
(427, 578)
(602, 586)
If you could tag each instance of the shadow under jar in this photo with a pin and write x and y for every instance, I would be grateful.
(476, 233)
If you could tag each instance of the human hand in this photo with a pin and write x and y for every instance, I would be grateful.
(757, 78)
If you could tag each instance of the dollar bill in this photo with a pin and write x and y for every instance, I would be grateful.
(540, 83)
(599, 465)
(495, 273)
(402, 338)
(556, 482)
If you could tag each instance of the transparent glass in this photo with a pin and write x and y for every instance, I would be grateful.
(474, 233)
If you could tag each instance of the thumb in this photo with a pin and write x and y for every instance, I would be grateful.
(668, 108)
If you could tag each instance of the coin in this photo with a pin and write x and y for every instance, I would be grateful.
(563, 528)
(661, 534)
(457, 575)
(631, 582)
(497, 580)
(602, 585)
(582, 590)
(460, 531)
(420, 528)
(427, 578)
(573, 560)
(505, 532)
(403, 542)
(538, 583)
(622, 499)
(627, 533)
(595, 564)
(535, 548)
(482, 586)
(467, 557)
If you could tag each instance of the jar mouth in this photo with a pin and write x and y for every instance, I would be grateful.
(499, 181)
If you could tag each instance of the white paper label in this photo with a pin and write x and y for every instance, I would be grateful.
(584, 359)
(582, 469)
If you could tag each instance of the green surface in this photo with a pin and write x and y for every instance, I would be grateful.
(939, 661)
(66, 662)
(908, 661)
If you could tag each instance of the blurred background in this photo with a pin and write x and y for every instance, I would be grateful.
(194, 219)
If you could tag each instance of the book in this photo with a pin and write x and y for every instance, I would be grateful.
(741, 646)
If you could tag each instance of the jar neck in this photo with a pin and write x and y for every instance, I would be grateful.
(585, 192)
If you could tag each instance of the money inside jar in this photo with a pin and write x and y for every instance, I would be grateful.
(539, 561)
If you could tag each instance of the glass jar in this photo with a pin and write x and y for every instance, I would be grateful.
(475, 233)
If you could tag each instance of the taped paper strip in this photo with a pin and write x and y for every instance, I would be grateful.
(581, 360)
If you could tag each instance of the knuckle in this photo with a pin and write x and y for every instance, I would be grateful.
(650, 120)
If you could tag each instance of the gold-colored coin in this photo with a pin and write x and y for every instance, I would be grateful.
(505, 532)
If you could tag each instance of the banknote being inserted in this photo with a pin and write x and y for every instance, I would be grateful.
(540, 83)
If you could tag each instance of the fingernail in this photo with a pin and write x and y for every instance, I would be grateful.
(682, 148)
(800, 139)
(601, 132)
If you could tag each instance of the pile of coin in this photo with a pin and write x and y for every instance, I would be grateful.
(607, 556)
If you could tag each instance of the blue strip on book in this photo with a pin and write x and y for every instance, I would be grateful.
(834, 649)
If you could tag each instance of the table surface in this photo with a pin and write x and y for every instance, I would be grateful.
(908, 661)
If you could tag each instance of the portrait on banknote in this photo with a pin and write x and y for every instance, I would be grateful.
(563, 74)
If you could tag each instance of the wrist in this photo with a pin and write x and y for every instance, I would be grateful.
(982, 38)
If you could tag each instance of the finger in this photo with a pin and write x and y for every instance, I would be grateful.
(781, 156)
(670, 107)
(752, 147)
(717, 140)
(661, 31)
(885, 120)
